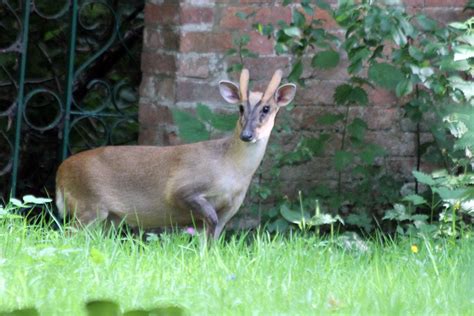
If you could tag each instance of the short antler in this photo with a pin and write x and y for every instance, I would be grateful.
(272, 86)
(244, 84)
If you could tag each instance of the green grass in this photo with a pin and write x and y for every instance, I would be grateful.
(262, 275)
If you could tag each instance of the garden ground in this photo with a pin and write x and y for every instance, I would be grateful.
(258, 274)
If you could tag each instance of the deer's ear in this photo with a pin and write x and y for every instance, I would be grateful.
(285, 94)
(229, 91)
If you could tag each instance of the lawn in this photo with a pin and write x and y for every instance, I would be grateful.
(255, 274)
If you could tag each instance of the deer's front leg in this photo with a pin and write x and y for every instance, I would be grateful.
(202, 209)
(228, 213)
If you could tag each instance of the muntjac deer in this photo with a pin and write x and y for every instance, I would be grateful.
(156, 187)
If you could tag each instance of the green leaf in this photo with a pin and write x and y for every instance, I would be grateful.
(370, 152)
(342, 159)
(294, 217)
(466, 87)
(224, 122)
(448, 64)
(385, 75)
(292, 31)
(458, 25)
(298, 19)
(323, 5)
(424, 178)
(279, 225)
(399, 213)
(347, 94)
(426, 23)
(307, 8)
(244, 39)
(359, 96)
(448, 194)
(190, 128)
(35, 200)
(316, 145)
(404, 87)
(204, 112)
(324, 219)
(296, 72)
(415, 199)
(330, 118)
(341, 94)
(231, 52)
(463, 52)
(416, 53)
(17, 202)
(357, 128)
(361, 220)
(326, 59)
(281, 48)
(235, 68)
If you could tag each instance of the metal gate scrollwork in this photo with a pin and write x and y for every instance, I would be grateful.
(69, 72)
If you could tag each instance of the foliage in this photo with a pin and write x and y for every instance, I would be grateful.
(448, 197)
(201, 126)
(57, 273)
(429, 66)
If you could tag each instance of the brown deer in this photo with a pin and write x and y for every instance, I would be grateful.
(156, 187)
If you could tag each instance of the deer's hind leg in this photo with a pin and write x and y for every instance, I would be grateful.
(83, 214)
(201, 209)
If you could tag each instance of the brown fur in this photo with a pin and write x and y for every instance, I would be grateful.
(153, 187)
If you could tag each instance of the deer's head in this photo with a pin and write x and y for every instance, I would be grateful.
(257, 110)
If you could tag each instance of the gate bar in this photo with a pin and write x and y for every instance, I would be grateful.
(21, 94)
(70, 78)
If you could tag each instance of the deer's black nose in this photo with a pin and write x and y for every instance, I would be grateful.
(246, 136)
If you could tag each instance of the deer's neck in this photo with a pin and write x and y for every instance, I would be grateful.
(245, 156)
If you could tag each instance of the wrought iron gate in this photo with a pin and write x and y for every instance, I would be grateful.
(68, 82)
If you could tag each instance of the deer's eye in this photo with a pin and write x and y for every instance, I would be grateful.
(265, 109)
(241, 109)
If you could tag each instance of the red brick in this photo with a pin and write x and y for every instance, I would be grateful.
(381, 97)
(160, 89)
(445, 3)
(414, 3)
(317, 92)
(326, 18)
(162, 14)
(147, 115)
(205, 42)
(189, 91)
(395, 143)
(446, 16)
(229, 19)
(160, 39)
(260, 44)
(263, 15)
(273, 15)
(401, 166)
(158, 63)
(147, 136)
(196, 15)
(263, 68)
(377, 118)
(193, 67)
(306, 117)
(336, 73)
(253, 1)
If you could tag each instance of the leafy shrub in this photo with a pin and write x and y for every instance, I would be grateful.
(428, 66)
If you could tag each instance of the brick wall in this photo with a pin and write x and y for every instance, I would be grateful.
(183, 59)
